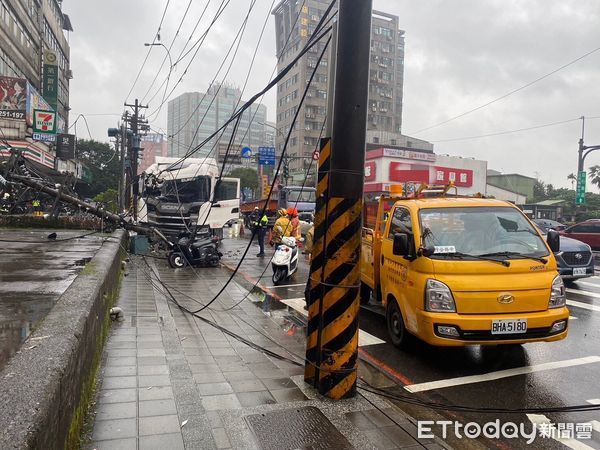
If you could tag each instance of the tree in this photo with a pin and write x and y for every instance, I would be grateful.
(248, 177)
(103, 163)
(539, 191)
(573, 178)
(595, 175)
(109, 199)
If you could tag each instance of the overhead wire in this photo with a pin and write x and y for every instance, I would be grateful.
(156, 35)
(509, 93)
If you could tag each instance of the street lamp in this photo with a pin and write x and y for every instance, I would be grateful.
(160, 44)
(581, 174)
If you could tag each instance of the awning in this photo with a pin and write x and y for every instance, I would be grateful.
(31, 150)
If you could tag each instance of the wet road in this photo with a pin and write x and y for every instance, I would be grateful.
(33, 276)
(536, 375)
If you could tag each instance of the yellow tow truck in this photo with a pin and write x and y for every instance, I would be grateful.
(457, 271)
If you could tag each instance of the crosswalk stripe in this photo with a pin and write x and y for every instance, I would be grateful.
(583, 305)
(364, 338)
(586, 293)
(490, 376)
(585, 283)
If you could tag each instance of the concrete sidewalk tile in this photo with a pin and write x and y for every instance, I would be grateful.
(157, 407)
(251, 385)
(149, 338)
(151, 352)
(214, 388)
(222, 351)
(288, 395)
(117, 395)
(153, 380)
(151, 360)
(233, 367)
(224, 360)
(153, 370)
(155, 393)
(217, 402)
(120, 361)
(378, 418)
(239, 375)
(380, 440)
(256, 398)
(114, 429)
(119, 382)
(196, 351)
(115, 444)
(204, 368)
(150, 344)
(113, 345)
(159, 425)
(172, 441)
(121, 352)
(108, 411)
(209, 377)
(214, 419)
(398, 436)
(267, 373)
(221, 438)
(119, 371)
(278, 383)
(205, 358)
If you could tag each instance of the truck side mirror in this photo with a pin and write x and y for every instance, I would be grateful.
(553, 240)
(400, 247)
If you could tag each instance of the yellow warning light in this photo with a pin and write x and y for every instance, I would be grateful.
(396, 189)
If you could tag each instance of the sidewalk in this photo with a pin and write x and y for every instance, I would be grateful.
(169, 380)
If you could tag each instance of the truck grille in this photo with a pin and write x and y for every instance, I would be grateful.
(577, 258)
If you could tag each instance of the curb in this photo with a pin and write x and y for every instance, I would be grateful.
(45, 387)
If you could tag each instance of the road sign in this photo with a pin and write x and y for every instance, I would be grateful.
(246, 152)
(266, 156)
(581, 179)
(266, 187)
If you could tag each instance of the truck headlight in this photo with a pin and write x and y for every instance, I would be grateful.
(558, 298)
(438, 297)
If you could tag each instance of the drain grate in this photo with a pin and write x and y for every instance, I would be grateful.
(296, 428)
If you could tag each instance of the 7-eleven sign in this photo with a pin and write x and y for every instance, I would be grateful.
(44, 121)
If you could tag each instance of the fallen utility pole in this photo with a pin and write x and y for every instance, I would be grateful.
(333, 299)
(99, 211)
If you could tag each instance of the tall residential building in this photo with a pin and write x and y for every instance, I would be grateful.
(154, 144)
(193, 117)
(293, 28)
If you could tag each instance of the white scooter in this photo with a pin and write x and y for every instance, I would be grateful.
(285, 260)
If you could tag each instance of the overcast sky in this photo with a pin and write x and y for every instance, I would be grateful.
(460, 54)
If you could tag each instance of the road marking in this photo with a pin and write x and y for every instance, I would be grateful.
(500, 374)
(573, 318)
(595, 423)
(594, 401)
(364, 338)
(585, 283)
(539, 419)
(286, 285)
(583, 305)
(586, 293)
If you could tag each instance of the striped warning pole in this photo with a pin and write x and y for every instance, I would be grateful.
(333, 301)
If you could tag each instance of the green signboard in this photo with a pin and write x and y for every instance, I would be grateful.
(581, 179)
(50, 85)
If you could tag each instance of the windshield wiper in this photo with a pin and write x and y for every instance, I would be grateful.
(517, 254)
(481, 257)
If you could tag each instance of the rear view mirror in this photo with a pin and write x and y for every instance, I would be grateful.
(553, 240)
(427, 250)
(400, 244)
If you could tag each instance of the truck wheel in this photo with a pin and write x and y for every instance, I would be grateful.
(365, 294)
(395, 324)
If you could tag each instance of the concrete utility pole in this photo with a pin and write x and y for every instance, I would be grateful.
(333, 303)
(137, 124)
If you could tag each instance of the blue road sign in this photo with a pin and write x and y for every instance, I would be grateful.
(266, 156)
(246, 152)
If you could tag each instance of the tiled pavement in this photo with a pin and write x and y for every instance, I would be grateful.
(171, 381)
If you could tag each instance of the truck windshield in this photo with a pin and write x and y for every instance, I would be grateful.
(480, 231)
(196, 190)
(301, 196)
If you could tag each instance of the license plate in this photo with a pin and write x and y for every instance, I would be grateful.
(579, 271)
(509, 326)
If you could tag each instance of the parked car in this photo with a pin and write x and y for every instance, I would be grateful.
(547, 224)
(587, 231)
(574, 260)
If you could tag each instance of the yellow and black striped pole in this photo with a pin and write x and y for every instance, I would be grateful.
(333, 300)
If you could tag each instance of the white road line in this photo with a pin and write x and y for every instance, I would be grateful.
(594, 401)
(500, 374)
(364, 338)
(573, 318)
(583, 305)
(585, 283)
(286, 285)
(539, 419)
(586, 293)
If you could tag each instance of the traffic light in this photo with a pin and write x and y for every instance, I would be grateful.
(286, 171)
